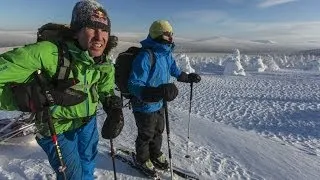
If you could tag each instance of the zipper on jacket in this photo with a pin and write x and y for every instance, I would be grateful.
(85, 90)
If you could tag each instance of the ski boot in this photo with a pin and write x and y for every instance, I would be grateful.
(161, 162)
(148, 169)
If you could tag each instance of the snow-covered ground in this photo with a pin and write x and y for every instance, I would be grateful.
(264, 125)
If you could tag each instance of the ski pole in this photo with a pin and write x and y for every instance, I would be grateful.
(168, 135)
(10, 135)
(191, 88)
(113, 160)
(54, 138)
(11, 123)
(44, 87)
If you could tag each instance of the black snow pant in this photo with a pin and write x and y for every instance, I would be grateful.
(150, 129)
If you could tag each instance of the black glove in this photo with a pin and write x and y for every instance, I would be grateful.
(168, 92)
(30, 97)
(194, 78)
(189, 78)
(114, 122)
(183, 77)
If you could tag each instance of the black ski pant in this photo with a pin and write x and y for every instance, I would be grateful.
(150, 129)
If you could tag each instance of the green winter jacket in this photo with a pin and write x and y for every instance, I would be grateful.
(97, 80)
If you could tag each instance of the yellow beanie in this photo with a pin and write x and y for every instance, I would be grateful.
(158, 27)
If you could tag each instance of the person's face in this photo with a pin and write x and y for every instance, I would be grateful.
(168, 37)
(93, 40)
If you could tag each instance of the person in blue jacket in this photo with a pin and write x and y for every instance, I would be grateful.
(149, 84)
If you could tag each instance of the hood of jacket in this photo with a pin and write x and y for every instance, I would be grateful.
(156, 46)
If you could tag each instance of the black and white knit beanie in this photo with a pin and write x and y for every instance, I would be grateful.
(89, 13)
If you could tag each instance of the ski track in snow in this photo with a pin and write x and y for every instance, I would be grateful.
(217, 165)
(214, 164)
(282, 106)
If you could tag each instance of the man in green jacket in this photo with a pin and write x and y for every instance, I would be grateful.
(72, 101)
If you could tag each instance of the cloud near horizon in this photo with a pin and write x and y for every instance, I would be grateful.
(283, 32)
(269, 3)
(220, 23)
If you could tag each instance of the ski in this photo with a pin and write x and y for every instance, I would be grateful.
(8, 123)
(177, 171)
(17, 126)
(130, 161)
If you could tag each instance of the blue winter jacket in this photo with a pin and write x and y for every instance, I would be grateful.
(142, 75)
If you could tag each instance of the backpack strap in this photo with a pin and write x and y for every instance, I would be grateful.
(64, 61)
(152, 59)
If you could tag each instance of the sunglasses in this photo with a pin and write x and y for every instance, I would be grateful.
(168, 36)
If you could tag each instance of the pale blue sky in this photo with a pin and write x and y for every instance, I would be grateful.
(249, 19)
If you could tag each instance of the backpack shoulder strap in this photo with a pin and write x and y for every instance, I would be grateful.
(64, 61)
(152, 59)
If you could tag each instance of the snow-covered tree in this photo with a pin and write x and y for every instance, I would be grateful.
(220, 61)
(232, 66)
(256, 64)
(245, 61)
(271, 65)
(184, 63)
(236, 54)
